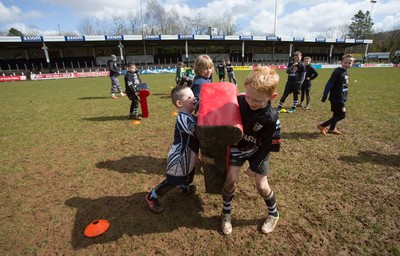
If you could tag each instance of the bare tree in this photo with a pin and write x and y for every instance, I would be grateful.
(93, 27)
(173, 23)
(134, 23)
(335, 32)
(120, 26)
(186, 26)
(101, 27)
(342, 30)
(85, 27)
(155, 17)
(156, 20)
(198, 24)
(225, 25)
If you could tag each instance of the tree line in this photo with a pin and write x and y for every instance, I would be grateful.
(158, 21)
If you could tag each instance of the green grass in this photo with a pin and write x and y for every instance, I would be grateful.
(68, 155)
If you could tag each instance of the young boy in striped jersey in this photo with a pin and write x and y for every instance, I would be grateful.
(183, 154)
(132, 80)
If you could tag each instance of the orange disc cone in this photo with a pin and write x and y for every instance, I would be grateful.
(174, 114)
(135, 122)
(96, 228)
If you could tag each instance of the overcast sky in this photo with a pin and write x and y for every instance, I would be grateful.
(294, 18)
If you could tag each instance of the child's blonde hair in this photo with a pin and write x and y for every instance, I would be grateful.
(347, 56)
(131, 64)
(264, 80)
(307, 58)
(201, 63)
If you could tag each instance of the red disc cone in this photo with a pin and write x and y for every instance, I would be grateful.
(96, 228)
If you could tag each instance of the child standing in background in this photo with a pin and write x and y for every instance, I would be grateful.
(221, 71)
(187, 78)
(311, 74)
(132, 80)
(190, 72)
(229, 70)
(179, 72)
(296, 75)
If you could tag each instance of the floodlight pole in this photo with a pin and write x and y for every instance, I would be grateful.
(276, 4)
(46, 53)
(273, 44)
(370, 15)
(121, 52)
(372, 5)
(242, 52)
(186, 53)
(144, 41)
(370, 20)
(330, 54)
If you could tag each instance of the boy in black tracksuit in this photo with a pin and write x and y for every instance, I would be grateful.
(311, 74)
(337, 87)
(132, 80)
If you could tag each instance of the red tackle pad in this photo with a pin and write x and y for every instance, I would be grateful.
(219, 123)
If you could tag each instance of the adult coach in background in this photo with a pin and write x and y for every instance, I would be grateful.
(114, 73)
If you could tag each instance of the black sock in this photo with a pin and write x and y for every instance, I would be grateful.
(270, 201)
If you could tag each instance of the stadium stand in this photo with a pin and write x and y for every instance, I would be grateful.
(67, 53)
